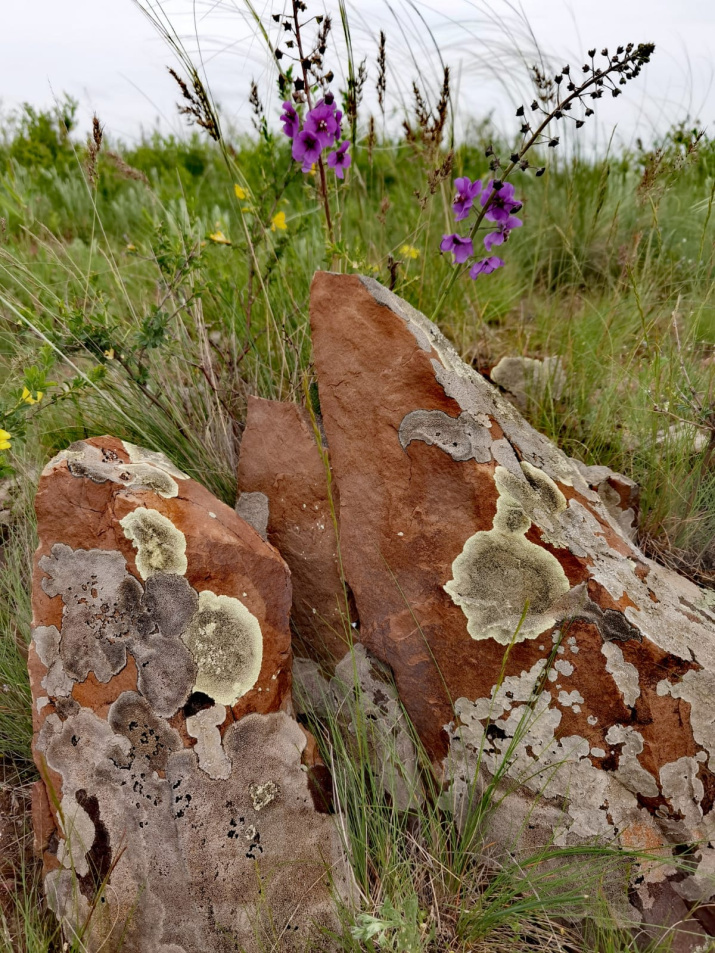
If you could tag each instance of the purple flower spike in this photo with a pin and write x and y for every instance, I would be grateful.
(321, 122)
(502, 233)
(290, 120)
(461, 248)
(340, 160)
(503, 204)
(485, 267)
(306, 149)
(467, 191)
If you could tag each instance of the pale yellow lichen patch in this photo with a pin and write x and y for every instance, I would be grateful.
(263, 794)
(226, 643)
(500, 572)
(160, 546)
(156, 459)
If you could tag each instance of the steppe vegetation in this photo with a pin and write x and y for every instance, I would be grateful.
(146, 290)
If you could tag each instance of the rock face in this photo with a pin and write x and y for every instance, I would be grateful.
(281, 474)
(470, 543)
(176, 814)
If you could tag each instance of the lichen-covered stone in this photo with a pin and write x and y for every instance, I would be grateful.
(176, 813)
(465, 533)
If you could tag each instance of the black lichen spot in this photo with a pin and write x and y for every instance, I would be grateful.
(495, 731)
(99, 856)
(197, 701)
(320, 785)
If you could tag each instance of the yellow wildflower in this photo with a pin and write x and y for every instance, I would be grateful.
(240, 193)
(109, 354)
(29, 399)
(313, 169)
(409, 251)
(131, 247)
(5, 439)
(219, 238)
(279, 222)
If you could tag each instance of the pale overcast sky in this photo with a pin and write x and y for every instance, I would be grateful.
(107, 54)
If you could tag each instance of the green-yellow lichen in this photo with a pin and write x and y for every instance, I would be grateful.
(500, 572)
(160, 546)
(226, 643)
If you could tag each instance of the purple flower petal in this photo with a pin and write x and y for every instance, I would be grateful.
(485, 267)
(290, 119)
(494, 238)
(467, 191)
(306, 148)
(461, 248)
(503, 203)
(321, 122)
(340, 159)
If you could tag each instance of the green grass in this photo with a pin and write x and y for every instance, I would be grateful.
(116, 304)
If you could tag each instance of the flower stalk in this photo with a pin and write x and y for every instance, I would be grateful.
(626, 63)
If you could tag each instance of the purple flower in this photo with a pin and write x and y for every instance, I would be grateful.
(467, 191)
(502, 233)
(321, 122)
(461, 248)
(503, 203)
(485, 267)
(290, 120)
(306, 149)
(340, 159)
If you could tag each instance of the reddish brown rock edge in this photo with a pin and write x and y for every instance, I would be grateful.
(169, 819)
(451, 506)
(281, 461)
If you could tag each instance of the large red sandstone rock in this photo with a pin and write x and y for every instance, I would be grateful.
(465, 536)
(160, 666)
(282, 477)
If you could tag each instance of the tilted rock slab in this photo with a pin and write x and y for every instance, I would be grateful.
(282, 485)
(176, 814)
(466, 535)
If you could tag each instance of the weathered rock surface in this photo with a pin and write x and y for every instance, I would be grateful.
(362, 699)
(280, 463)
(465, 536)
(176, 814)
(529, 381)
